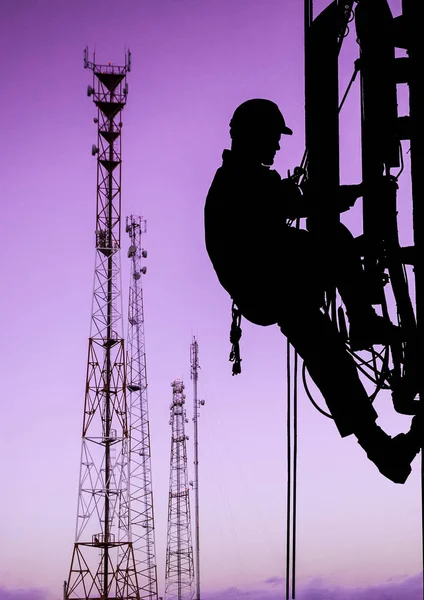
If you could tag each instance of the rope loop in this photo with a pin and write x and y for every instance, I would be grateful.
(235, 335)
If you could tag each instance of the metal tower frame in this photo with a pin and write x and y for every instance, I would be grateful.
(103, 564)
(194, 374)
(141, 493)
(179, 570)
(379, 35)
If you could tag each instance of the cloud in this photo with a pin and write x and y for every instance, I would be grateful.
(405, 588)
(395, 588)
(231, 592)
(409, 588)
(275, 580)
(20, 594)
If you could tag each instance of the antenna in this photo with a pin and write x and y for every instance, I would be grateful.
(194, 372)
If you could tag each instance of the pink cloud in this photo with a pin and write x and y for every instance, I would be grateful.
(20, 594)
(408, 588)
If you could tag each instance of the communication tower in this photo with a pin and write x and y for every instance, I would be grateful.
(141, 493)
(103, 564)
(179, 570)
(194, 373)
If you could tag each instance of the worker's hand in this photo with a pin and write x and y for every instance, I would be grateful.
(297, 174)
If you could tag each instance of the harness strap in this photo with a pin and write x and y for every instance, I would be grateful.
(235, 335)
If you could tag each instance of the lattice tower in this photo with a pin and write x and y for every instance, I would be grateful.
(103, 564)
(141, 493)
(179, 571)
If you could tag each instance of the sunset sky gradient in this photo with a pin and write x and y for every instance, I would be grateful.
(193, 62)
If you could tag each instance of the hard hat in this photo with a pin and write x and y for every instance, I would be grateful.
(259, 112)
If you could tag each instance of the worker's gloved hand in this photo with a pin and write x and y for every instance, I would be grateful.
(298, 172)
(348, 194)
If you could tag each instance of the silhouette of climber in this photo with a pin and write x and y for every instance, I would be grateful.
(277, 274)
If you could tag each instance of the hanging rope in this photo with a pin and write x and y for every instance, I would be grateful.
(294, 476)
(288, 515)
(291, 475)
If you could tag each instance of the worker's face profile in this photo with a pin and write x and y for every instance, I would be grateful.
(268, 143)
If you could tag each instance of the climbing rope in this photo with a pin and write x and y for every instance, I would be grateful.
(291, 474)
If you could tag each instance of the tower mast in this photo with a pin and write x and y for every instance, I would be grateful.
(102, 564)
(141, 493)
(179, 570)
(194, 372)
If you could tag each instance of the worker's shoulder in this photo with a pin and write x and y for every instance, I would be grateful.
(219, 182)
(237, 175)
(242, 172)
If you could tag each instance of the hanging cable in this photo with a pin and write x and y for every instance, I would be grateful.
(294, 475)
(308, 18)
(402, 164)
(379, 376)
(352, 79)
(291, 474)
(292, 410)
(288, 520)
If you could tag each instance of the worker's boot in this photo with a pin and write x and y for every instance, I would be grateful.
(392, 456)
(367, 329)
(404, 396)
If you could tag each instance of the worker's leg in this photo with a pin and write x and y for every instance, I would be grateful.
(342, 267)
(334, 372)
(349, 275)
(318, 342)
(328, 263)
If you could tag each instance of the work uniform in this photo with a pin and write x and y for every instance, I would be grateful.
(276, 274)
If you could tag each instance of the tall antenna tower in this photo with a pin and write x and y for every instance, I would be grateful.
(141, 493)
(179, 571)
(194, 373)
(103, 564)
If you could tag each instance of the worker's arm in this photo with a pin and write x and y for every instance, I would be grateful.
(296, 204)
(301, 202)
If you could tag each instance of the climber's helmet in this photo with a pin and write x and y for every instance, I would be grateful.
(258, 115)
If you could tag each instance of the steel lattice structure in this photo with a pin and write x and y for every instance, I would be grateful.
(194, 374)
(140, 509)
(179, 571)
(103, 564)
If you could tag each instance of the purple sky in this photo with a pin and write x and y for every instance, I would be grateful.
(193, 63)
